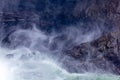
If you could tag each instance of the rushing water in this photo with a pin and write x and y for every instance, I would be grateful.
(21, 64)
(26, 62)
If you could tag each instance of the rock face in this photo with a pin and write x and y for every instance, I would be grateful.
(58, 14)
(102, 53)
(54, 15)
(109, 45)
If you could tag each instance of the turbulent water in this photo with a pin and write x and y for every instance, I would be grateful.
(26, 62)
(25, 66)
(26, 52)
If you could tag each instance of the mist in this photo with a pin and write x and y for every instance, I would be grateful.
(53, 40)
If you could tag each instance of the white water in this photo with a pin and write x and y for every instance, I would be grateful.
(27, 63)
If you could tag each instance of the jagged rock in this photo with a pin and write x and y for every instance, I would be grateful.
(102, 53)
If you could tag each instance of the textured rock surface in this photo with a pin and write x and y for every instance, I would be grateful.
(102, 53)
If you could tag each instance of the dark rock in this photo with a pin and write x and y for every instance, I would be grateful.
(101, 53)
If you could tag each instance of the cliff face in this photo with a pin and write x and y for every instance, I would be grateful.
(88, 15)
(104, 52)
(58, 14)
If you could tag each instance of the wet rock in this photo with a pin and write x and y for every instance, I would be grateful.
(101, 53)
